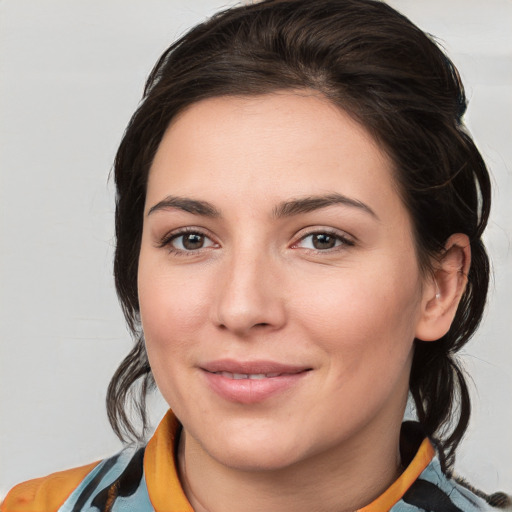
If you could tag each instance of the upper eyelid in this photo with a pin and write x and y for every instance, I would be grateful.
(346, 242)
(305, 232)
(176, 233)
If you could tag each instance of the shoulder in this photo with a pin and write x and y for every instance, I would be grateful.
(45, 494)
(434, 490)
(93, 484)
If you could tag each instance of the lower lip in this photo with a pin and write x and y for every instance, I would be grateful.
(250, 391)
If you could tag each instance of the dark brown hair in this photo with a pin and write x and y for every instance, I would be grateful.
(373, 63)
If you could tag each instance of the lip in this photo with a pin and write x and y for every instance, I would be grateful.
(227, 378)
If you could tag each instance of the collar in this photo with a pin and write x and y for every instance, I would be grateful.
(161, 473)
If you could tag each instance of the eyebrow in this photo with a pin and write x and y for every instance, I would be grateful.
(285, 209)
(311, 203)
(187, 205)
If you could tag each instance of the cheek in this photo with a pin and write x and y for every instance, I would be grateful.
(171, 315)
(367, 319)
(172, 308)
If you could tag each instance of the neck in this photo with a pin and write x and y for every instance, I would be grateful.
(343, 479)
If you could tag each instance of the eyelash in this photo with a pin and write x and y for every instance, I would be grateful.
(341, 241)
(167, 240)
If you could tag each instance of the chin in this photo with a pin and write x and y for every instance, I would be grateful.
(250, 450)
(256, 458)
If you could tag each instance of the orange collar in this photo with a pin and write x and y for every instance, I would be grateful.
(163, 483)
(160, 468)
(399, 487)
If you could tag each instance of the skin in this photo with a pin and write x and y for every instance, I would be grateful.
(258, 286)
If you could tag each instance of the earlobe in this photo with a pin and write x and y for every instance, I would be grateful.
(443, 290)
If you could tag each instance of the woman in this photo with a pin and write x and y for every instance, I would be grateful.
(299, 220)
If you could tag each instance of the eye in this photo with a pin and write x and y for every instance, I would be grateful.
(323, 241)
(187, 241)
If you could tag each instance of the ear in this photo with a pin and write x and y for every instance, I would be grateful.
(443, 290)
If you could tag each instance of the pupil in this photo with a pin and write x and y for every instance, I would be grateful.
(193, 241)
(323, 241)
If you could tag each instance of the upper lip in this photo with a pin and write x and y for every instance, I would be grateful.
(251, 367)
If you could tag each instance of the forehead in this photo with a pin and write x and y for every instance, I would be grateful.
(274, 146)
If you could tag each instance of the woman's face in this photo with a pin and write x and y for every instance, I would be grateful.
(279, 288)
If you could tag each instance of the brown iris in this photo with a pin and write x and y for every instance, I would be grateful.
(192, 241)
(323, 241)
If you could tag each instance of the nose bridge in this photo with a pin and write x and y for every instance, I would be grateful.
(249, 295)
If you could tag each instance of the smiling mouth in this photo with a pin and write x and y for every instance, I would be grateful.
(252, 382)
(251, 376)
(235, 369)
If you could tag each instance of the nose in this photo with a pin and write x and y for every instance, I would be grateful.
(250, 297)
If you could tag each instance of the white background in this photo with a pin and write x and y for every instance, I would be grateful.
(71, 74)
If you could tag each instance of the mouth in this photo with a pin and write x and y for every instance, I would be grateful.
(251, 376)
(247, 369)
(252, 382)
